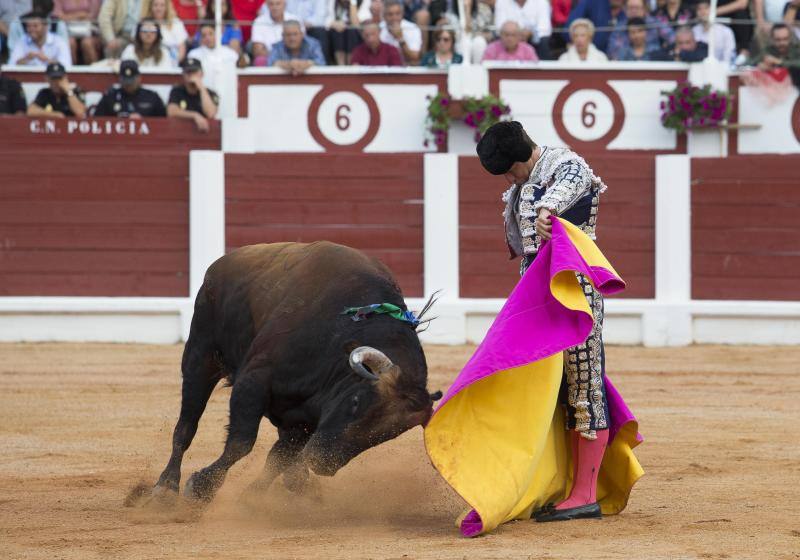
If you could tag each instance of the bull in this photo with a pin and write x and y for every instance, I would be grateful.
(268, 318)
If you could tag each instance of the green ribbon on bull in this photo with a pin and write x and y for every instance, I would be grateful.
(361, 313)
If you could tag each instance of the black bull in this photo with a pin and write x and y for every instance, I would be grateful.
(269, 319)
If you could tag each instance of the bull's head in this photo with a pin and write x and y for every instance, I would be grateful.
(366, 414)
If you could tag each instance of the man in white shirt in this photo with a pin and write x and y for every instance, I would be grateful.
(39, 47)
(401, 33)
(208, 53)
(533, 17)
(268, 27)
(724, 39)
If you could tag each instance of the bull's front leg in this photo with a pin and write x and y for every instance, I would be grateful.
(283, 459)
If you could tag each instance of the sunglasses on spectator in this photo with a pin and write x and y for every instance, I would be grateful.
(149, 30)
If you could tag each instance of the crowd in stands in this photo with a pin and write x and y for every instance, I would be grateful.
(297, 34)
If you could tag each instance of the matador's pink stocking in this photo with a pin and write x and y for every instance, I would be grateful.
(587, 462)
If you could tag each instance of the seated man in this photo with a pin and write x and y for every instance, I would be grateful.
(782, 52)
(510, 46)
(12, 97)
(687, 48)
(268, 29)
(401, 33)
(658, 35)
(39, 47)
(724, 39)
(533, 18)
(208, 52)
(191, 99)
(638, 49)
(129, 98)
(61, 99)
(373, 51)
(296, 53)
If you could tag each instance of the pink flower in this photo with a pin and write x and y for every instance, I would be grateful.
(445, 102)
(496, 111)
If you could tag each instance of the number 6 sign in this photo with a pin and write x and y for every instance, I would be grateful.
(588, 117)
(343, 120)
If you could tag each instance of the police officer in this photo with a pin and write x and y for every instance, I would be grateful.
(129, 99)
(61, 99)
(192, 99)
(12, 97)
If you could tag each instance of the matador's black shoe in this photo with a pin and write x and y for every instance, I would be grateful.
(589, 511)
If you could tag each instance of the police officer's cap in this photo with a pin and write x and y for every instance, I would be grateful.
(55, 70)
(191, 65)
(504, 144)
(128, 70)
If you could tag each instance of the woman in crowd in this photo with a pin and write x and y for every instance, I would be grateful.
(443, 53)
(147, 49)
(80, 17)
(231, 32)
(581, 48)
(343, 17)
(674, 13)
(173, 32)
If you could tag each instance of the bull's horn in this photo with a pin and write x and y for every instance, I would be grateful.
(375, 359)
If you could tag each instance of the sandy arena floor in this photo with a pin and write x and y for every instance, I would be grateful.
(80, 425)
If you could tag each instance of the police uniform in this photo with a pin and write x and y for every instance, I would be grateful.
(118, 103)
(48, 100)
(12, 97)
(181, 97)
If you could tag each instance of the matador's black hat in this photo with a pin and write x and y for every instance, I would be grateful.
(504, 144)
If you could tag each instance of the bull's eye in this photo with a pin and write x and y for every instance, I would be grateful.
(354, 407)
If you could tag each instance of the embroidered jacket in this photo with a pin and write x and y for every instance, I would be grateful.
(562, 182)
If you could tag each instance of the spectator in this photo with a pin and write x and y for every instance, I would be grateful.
(61, 99)
(173, 32)
(791, 16)
(80, 16)
(11, 10)
(659, 37)
(208, 53)
(687, 48)
(44, 8)
(190, 12)
(768, 12)
(296, 53)
(479, 20)
(147, 49)
(739, 11)
(374, 52)
(443, 53)
(12, 97)
(401, 33)
(39, 47)
(118, 20)
(673, 13)
(581, 49)
(638, 49)
(129, 98)
(559, 17)
(533, 18)
(603, 14)
(510, 46)
(418, 12)
(191, 99)
(314, 15)
(344, 38)
(782, 52)
(724, 40)
(245, 12)
(268, 29)
(231, 32)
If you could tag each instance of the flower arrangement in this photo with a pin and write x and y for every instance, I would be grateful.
(689, 106)
(477, 112)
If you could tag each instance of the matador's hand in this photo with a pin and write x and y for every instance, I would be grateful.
(543, 226)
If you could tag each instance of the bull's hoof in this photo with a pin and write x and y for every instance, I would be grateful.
(201, 486)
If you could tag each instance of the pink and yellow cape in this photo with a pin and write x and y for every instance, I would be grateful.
(498, 435)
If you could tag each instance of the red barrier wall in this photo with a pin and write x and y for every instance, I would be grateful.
(371, 203)
(625, 230)
(96, 214)
(745, 228)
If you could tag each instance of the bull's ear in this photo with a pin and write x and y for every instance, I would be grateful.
(436, 396)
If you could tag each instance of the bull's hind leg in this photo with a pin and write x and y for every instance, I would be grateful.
(201, 373)
(246, 410)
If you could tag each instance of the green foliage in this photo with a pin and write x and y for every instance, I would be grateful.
(478, 113)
